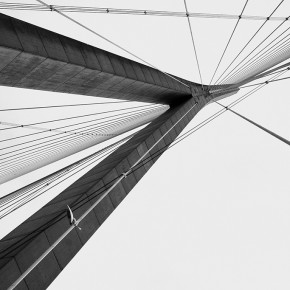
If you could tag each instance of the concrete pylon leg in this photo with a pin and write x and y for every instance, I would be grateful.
(20, 248)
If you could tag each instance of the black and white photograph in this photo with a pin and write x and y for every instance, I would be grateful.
(144, 145)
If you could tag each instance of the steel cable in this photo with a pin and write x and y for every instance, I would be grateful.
(231, 36)
(257, 56)
(137, 12)
(249, 41)
(43, 151)
(69, 118)
(255, 48)
(76, 131)
(193, 43)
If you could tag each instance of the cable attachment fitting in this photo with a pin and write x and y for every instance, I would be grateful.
(72, 219)
(51, 8)
(125, 174)
(266, 82)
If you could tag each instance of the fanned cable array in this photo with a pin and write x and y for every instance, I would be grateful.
(251, 38)
(49, 144)
(17, 199)
(271, 51)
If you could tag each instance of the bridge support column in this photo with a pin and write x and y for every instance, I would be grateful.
(20, 248)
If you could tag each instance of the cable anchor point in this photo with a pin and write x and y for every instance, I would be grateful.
(125, 174)
(72, 219)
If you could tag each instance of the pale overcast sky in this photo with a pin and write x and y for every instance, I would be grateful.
(213, 212)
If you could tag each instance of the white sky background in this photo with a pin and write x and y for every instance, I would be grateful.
(213, 212)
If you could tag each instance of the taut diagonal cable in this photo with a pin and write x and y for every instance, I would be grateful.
(272, 49)
(136, 12)
(110, 41)
(256, 124)
(249, 41)
(229, 41)
(236, 68)
(193, 44)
